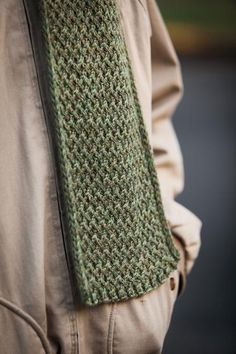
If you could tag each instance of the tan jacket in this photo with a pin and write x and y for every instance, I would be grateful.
(28, 208)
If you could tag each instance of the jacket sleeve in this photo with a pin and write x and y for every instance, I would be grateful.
(167, 90)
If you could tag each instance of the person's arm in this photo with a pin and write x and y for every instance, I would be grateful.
(167, 89)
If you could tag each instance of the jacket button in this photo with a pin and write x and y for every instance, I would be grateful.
(172, 283)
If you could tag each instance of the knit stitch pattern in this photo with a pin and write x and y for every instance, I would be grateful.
(120, 242)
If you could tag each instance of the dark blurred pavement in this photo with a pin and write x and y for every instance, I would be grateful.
(204, 319)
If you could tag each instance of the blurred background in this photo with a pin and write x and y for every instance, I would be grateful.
(204, 35)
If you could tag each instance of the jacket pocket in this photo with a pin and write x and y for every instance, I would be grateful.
(141, 323)
(19, 332)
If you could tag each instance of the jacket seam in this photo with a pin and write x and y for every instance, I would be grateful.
(34, 81)
(28, 320)
(111, 327)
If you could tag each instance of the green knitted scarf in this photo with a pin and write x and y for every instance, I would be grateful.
(119, 240)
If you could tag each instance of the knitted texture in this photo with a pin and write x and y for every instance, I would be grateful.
(119, 239)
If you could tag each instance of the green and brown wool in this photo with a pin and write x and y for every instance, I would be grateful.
(120, 242)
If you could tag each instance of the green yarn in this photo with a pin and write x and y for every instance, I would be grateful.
(119, 239)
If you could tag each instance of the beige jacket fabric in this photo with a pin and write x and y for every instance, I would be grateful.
(37, 311)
